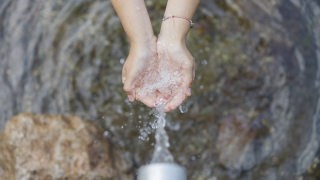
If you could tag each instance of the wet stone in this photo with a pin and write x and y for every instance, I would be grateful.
(234, 143)
(43, 147)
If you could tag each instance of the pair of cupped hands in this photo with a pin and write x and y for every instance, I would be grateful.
(144, 54)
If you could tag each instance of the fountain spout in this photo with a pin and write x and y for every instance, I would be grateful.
(162, 171)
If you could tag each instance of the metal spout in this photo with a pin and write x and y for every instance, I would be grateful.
(162, 171)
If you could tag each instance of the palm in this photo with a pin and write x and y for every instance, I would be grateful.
(179, 57)
(139, 59)
(162, 73)
(166, 78)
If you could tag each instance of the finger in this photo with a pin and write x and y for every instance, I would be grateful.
(164, 94)
(188, 74)
(175, 102)
(123, 77)
(148, 101)
(128, 79)
(131, 94)
(161, 96)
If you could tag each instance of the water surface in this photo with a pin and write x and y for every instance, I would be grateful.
(257, 79)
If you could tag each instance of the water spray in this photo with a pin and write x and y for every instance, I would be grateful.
(162, 166)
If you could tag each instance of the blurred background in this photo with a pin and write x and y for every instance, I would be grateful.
(254, 111)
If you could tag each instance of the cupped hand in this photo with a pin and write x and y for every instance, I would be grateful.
(141, 56)
(159, 71)
(177, 54)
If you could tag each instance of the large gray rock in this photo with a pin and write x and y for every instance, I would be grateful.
(56, 147)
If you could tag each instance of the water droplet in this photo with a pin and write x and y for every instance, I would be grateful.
(139, 116)
(106, 133)
(138, 8)
(145, 138)
(204, 62)
(121, 127)
(154, 125)
(201, 87)
(122, 61)
(183, 108)
(199, 77)
(167, 144)
(144, 133)
(193, 158)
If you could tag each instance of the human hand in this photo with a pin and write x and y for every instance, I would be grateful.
(142, 55)
(175, 51)
(166, 78)
(160, 71)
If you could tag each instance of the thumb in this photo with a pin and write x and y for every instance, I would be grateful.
(128, 80)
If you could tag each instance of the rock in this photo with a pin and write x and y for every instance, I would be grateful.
(6, 156)
(234, 142)
(47, 147)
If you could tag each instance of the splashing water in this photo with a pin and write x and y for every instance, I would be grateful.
(162, 79)
(161, 152)
(145, 131)
(183, 108)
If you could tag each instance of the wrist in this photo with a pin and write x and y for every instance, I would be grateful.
(142, 40)
(143, 49)
(143, 43)
(175, 30)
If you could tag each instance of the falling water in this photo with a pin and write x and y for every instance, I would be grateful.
(161, 152)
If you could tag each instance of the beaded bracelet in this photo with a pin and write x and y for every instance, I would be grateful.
(173, 16)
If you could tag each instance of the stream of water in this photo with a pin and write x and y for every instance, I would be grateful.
(161, 152)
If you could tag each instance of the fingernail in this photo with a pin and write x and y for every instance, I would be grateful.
(189, 92)
(130, 97)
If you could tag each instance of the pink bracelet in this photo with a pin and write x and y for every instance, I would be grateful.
(173, 16)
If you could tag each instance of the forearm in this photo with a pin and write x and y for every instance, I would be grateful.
(178, 28)
(135, 20)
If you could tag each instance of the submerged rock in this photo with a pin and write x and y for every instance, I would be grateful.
(55, 147)
(234, 143)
